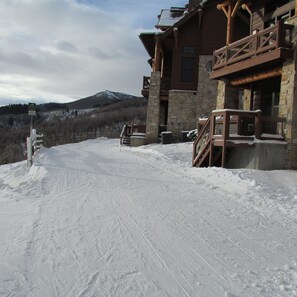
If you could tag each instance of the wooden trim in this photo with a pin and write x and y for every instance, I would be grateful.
(256, 77)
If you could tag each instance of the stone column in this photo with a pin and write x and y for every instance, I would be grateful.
(153, 109)
(288, 102)
(227, 96)
(247, 99)
(257, 100)
(288, 109)
(207, 89)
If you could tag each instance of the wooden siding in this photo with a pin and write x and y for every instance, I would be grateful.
(257, 22)
(188, 36)
(214, 24)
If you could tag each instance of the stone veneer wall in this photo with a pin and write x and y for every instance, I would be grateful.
(207, 90)
(288, 102)
(181, 112)
(247, 95)
(153, 109)
(227, 96)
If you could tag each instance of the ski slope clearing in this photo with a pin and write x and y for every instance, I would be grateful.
(95, 219)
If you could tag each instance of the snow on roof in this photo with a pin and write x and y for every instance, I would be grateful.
(169, 17)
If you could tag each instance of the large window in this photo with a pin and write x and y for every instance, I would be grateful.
(188, 64)
(187, 69)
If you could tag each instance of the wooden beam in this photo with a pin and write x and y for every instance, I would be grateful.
(157, 58)
(225, 3)
(223, 8)
(256, 77)
(230, 25)
(246, 7)
(176, 35)
(236, 8)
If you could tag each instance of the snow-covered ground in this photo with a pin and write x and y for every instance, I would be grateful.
(95, 219)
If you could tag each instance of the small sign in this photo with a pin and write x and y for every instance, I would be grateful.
(32, 109)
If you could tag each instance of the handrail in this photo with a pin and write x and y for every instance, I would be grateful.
(225, 126)
(202, 141)
(129, 129)
(253, 45)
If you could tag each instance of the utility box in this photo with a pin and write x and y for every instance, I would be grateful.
(166, 137)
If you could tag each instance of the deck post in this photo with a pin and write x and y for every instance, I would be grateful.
(226, 122)
(157, 58)
(258, 124)
(211, 132)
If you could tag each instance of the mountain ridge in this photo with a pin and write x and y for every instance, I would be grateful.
(102, 98)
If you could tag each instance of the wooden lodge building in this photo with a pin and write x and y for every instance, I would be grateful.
(179, 90)
(255, 124)
(227, 67)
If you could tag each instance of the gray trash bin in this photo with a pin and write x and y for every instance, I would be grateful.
(166, 137)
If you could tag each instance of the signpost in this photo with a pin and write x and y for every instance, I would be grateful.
(31, 113)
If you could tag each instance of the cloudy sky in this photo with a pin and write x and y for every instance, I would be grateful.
(62, 50)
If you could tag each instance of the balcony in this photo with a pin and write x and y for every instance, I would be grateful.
(269, 46)
(164, 88)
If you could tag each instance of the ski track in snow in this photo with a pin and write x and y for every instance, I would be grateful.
(96, 219)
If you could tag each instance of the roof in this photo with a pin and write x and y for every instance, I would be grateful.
(169, 17)
(183, 20)
(148, 41)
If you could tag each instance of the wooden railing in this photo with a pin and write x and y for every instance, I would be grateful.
(233, 127)
(165, 83)
(129, 129)
(146, 82)
(269, 39)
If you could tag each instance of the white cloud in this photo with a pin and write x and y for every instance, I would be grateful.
(61, 50)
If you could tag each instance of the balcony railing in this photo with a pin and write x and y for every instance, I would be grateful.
(231, 128)
(165, 83)
(270, 39)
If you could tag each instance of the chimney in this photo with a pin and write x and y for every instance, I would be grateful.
(193, 3)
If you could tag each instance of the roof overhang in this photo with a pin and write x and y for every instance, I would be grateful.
(148, 41)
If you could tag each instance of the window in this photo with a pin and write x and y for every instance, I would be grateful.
(187, 69)
(188, 64)
(189, 50)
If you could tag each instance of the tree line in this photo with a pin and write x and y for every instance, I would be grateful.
(106, 121)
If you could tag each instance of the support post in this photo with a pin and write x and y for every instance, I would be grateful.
(29, 151)
(258, 124)
(157, 58)
(226, 122)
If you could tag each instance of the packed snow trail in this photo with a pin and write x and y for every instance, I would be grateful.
(94, 219)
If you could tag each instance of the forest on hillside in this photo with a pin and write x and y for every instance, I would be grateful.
(62, 126)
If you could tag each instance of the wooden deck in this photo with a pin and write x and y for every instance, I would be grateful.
(232, 128)
(272, 44)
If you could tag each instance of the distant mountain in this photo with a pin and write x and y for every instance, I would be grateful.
(100, 99)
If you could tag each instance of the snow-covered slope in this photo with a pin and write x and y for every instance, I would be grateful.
(100, 99)
(94, 219)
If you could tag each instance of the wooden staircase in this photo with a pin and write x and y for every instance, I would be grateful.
(128, 130)
(226, 129)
